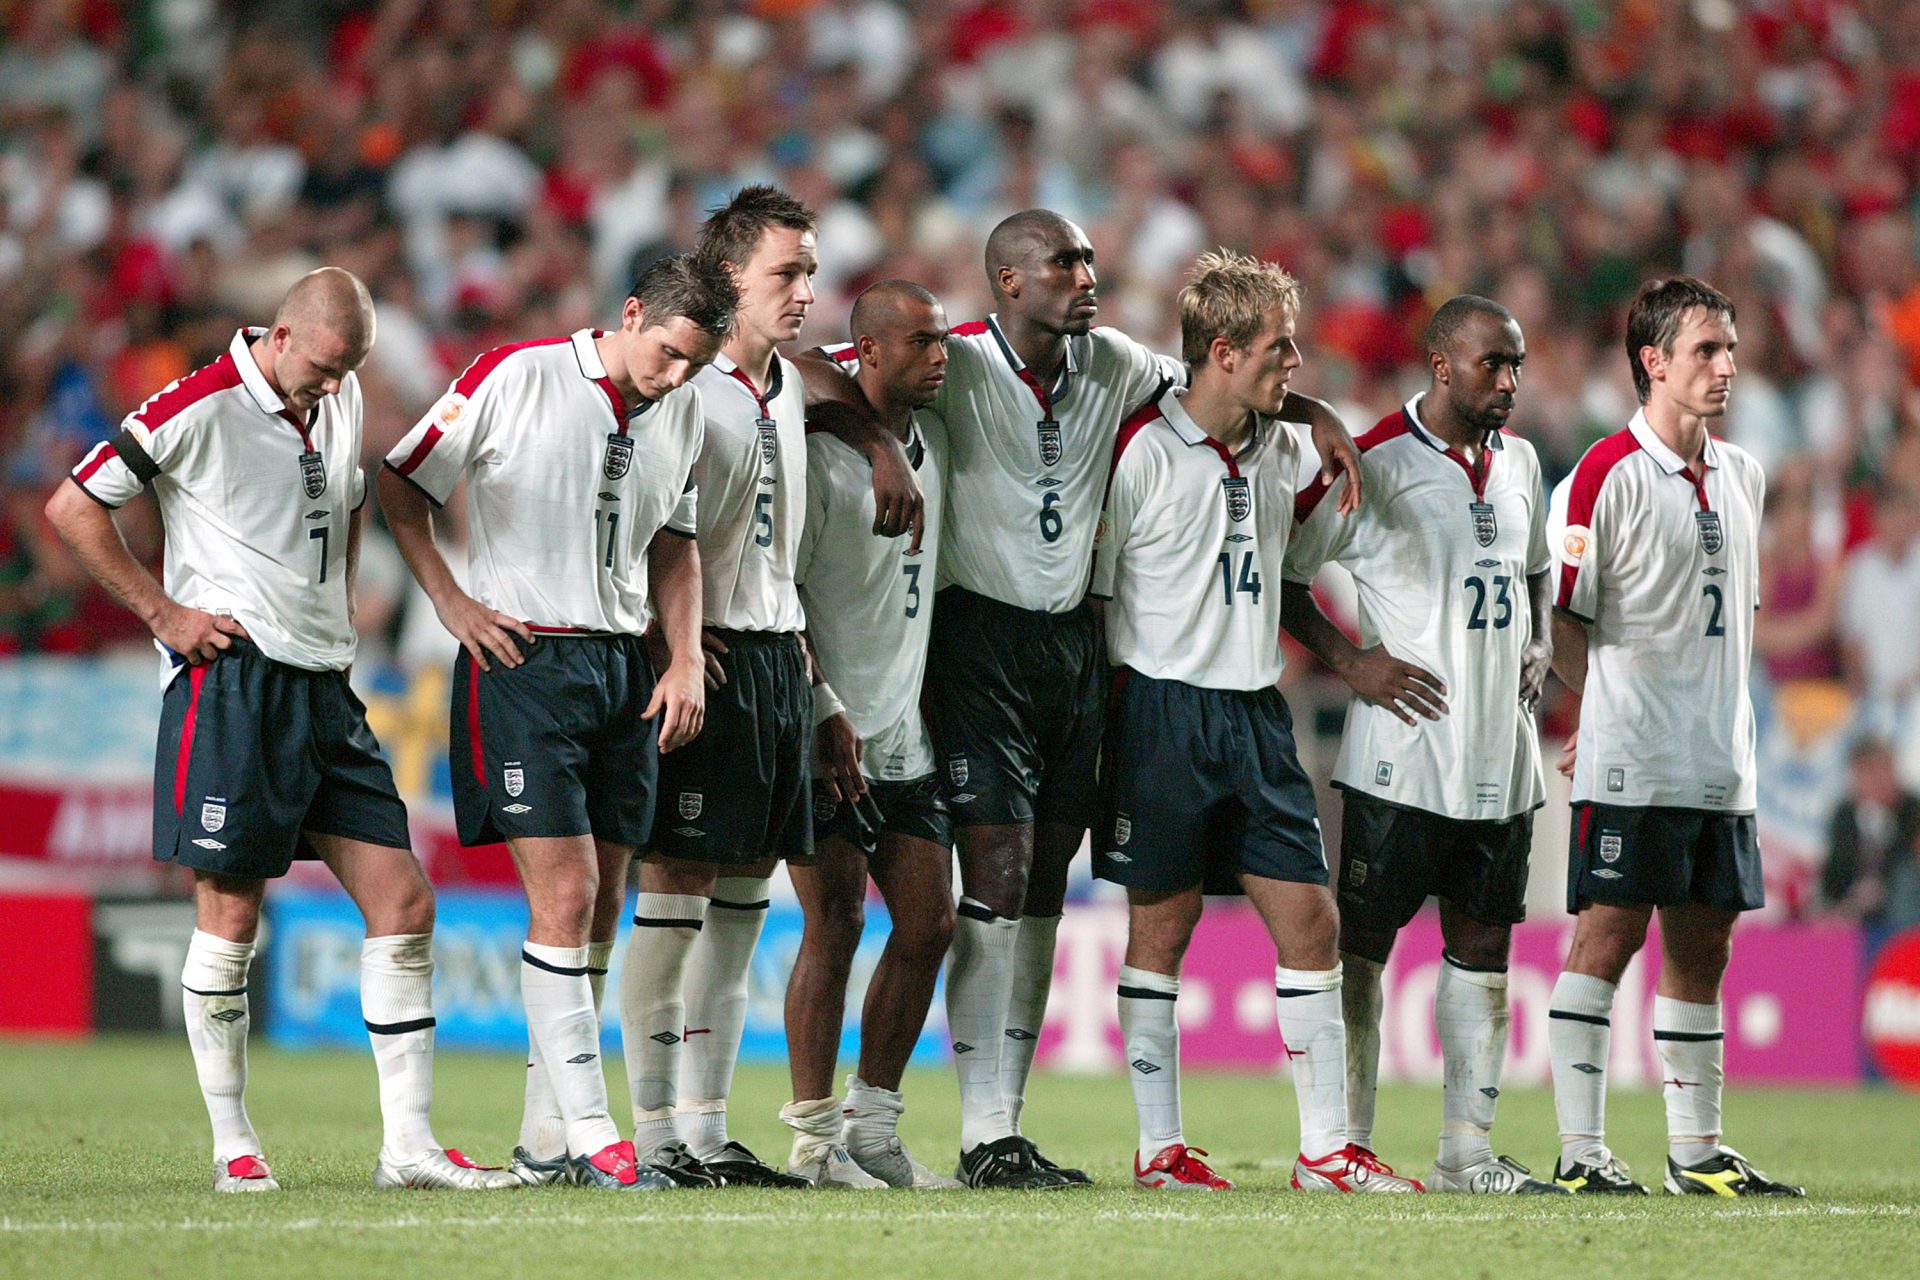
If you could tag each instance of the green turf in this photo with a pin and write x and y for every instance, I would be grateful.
(104, 1166)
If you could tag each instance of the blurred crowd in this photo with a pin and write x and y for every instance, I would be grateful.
(499, 169)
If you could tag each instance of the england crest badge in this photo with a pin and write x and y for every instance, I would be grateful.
(619, 456)
(1122, 828)
(1485, 528)
(1711, 536)
(1049, 440)
(769, 439)
(516, 781)
(691, 803)
(1239, 497)
(213, 816)
(957, 770)
(313, 473)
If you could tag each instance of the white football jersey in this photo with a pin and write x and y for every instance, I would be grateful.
(566, 483)
(1029, 463)
(1664, 569)
(256, 500)
(870, 604)
(752, 478)
(1191, 549)
(1440, 553)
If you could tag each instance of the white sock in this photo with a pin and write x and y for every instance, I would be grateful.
(1360, 1001)
(543, 1130)
(873, 1115)
(716, 1007)
(1026, 1008)
(816, 1123)
(979, 985)
(653, 1009)
(1470, 1013)
(396, 999)
(566, 1037)
(1579, 1034)
(1316, 1037)
(214, 993)
(1692, 1045)
(1151, 1034)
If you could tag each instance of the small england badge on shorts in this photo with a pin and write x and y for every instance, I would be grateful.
(516, 780)
(313, 473)
(1122, 828)
(1239, 498)
(1049, 431)
(769, 438)
(957, 770)
(1610, 844)
(691, 803)
(213, 816)
(619, 456)
(824, 806)
(1485, 527)
(1711, 536)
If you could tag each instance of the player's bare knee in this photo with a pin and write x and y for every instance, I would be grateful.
(227, 906)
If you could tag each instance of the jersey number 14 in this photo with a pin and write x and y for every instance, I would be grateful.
(1246, 583)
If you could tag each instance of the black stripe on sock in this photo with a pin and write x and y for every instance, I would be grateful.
(1690, 1035)
(761, 905)
(399, 1028)
(1448, 956)
(1588, 1018)
(977, 911)
(238, 991)
(595, 972)
(562, 970)
(668, 922)
(1144, 993)
(1284, 992)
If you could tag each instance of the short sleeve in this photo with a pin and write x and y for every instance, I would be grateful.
(1144, 372)
(436, 453)
(819, 481)
(1125, 490)
(1539, 557)
(1578, 527)
(1320, 533)
(150, 442)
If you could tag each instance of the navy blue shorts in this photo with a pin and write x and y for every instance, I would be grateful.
(1015, 699)
(1654, 856)
(1203, 786)
(913, 808)
(1392, 857)
(556, 746)
(741, 791)
(251, 753)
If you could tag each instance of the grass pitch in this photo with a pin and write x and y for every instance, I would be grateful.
(104, 1170)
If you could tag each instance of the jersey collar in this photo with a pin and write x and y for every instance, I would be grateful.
(594, 369)
(1494, 439)
(1068, 371)
(250, 376)
(1650, 441)
(775, 378)
(1190, 433)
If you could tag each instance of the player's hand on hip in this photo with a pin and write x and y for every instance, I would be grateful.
(1535, 661)
(1400, 687)
(1567, 753)
(482, 631)
(680, 701)
(898, 504)
(837, 752)
(196, 635)
(712, 649)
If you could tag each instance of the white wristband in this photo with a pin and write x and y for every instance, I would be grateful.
(825, 705)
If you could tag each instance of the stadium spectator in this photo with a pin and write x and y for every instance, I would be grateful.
(1873, 862)
(1799, 586)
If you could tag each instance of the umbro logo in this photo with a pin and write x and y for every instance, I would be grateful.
(316, 515)
(228, 1015)
(665, 1037)
(1144, 1067)
(1491, 1092)
(1116, 856)
(961, 1046)
(688, 831)
(609, 497)
(1020, 1033)
(1239, 537)
(1486, 564)
(579, 1058)
(766, 480)
(1048, 482)
(965, 797)
(1606, 873)
(1587, 1068)
(516, 808)
(206, 843)
(1713, 571)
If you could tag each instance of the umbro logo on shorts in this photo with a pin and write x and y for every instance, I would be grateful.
(1606, 873)
(689, 832)
(206, 843)
(579, 1058)
(516, 808)
(1114, 855)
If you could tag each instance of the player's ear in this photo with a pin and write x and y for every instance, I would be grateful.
(1223, 353)
(867, 347)
(1009, 281)
(1442, 369)
(632, 316)
(1654, 361)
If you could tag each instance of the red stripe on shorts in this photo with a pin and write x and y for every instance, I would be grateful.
(473, 725)
(197, 675)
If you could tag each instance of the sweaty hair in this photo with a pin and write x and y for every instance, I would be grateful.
(1229, 297)
(689, 285)
(732, 232)
(1450, 321)
(880, 302)
(1655, 317)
